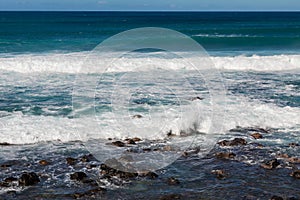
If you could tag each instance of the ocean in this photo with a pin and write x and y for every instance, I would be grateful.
(61, 99)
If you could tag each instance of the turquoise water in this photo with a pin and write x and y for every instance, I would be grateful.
(228, 32)
(49, 109)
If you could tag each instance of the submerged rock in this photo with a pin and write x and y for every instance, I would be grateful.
(118, 144)
(234, 142)
(28, 179)
(293, 144)
(225, 155)
(257, 135)
(171, 197)
(90, 193)
(220, 173)
(87, 158)
(173, 181)
(71, 161)
(271, 164)
(78, 176)
(276, 198)
(10, 179)
(296, 174)
(44, 162)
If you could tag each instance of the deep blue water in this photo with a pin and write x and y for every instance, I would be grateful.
(219, 32)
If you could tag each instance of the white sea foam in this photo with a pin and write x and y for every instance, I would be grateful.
(75, 62)
(19, 129)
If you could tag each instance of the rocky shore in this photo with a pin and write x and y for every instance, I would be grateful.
(241, 167)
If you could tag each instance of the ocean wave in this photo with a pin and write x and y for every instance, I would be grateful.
(77, 63)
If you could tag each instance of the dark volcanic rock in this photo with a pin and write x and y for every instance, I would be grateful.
(119, 144)
(90, 193)
(5, 144)
(234, 142)
(87, 158)
(109, 171)
(136, 139)
(276, 198)
(296, 174)
(173, 181)
(149, 174)
(131, 141)
(171, 197)
(220, 173)
(257, 135)
(44, 162)
(78, 176)
(293, 144)
(71, 161)
(271, 164)
(27, 179)
(137, 116)
(10, 179)
(225, 155)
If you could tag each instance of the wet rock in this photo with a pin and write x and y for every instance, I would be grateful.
(196, 98)
(118, 144)
(4, 144)
(171, 197)
(276, 198)
(271, 164)
(136, 139)
(137, 116)
(149, 174)
(91, 166)
(219, 173)
(10, 179)
(44, 162)
(28, 179)
(87, 158)
(173, 181)
(109, 138)
(296, 174)
(78, 176)
(90, 193)
(4, 184)
(170, 133)
(191, 152)
(283, 155)
(293, 144)
(225, 155)
(234, 142)
(71, 161)
(294, 160)
(109, 171)
(257, 135)
(130, 141)
(249, 129)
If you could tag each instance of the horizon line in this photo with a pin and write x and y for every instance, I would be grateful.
(149, 10)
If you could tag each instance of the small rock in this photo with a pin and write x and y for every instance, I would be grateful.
(257, 135)
(71, 161)
(170, 197)
(276, 198)
(87, 158)
(44, 162)
(10, 179)
(294, 160)
(136, 139)
(283, 155)
(78, 176)
(4, 144)
(196, 98)
(296, 174)
(119, 144)
(131, 141)
(137, 116)
(271, 164)
(220, 173)
(234, 142)
(168, 148)
(4, 184)
(225, 155)
(149, 174)
(173, 181)
(27, 179)
(109, 138)
(293, 144)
